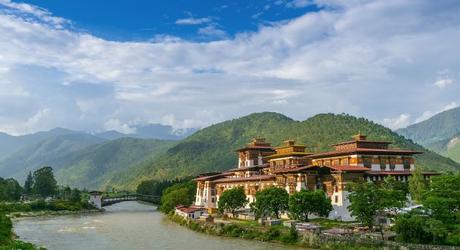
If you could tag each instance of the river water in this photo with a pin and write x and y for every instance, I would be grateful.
(126, 225)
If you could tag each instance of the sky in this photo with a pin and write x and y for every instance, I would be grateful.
(112, 65)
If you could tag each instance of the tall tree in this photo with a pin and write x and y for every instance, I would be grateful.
(443, 198)
(306, 202)
(231, 200)
(75, 195)
(369, 200)
(270, 202)
(28, 184)
(44, 183)
(10, 190)
(417, 186)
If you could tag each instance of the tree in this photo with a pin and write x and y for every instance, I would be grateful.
(270, 202)
(10, 190)
(231, 200)
(28, 184)
(368, 200)
(443, 198)
(417, 185)
(75, 195)
(411, 228)
(44, 183)
(178, 194)
(306, 202)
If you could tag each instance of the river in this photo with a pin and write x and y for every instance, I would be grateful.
(126, 225)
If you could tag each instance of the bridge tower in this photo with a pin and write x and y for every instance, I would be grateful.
(95, 198)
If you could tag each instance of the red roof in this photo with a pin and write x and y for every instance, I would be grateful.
(366, 150)
(291, 170)
(211, 177)
(191, 209)
(251, 178)
(404, 172)
(354, 141)
(343, 168)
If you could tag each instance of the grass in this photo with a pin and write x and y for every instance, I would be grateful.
(328, 224)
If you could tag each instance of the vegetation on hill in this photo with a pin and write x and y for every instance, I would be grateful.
(95, 166)
(442, 126)
(440, 133)
(212, 148)
(48, 151)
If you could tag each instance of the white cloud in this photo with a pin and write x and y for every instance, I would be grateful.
(299, 3)
(428, 114)
(115, 124)
(367, 58)
(193, 21)
(397, 122)
(212, 31)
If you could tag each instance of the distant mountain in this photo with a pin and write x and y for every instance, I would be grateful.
(150, 131)
(212, 148)
(95, 166)
(440, 133)
(441, 127)
(46, 151)
(10, 144)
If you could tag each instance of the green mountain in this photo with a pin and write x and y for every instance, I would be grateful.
(436, 131)
(10, 144)
(440, 133)
(44, 152)
(453, 149)
(212, 148)
(95, 166)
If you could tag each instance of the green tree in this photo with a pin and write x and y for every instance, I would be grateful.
(28, 184)
(443, 198)
(369, 200)
(412, 228)
(10, 190)
(306, 202)
(75, 195)
(44, 183)
(178, 194)
(270, 202)
(231, 200)
(417, 185)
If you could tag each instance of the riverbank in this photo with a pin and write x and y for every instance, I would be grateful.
(284, 235)
(44, 213)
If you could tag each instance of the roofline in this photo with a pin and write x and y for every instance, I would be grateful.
(353, 141)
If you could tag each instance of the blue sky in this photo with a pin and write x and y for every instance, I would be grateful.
(103, 65)
(123, 20)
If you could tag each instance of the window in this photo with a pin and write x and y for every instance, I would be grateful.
(367, 162)
(406, 163)
(336, 199)
(392, 164)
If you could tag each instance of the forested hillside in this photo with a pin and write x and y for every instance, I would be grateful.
(212, 148)
(440, 133)
(44, 152)
(441, 127)
(95, 166)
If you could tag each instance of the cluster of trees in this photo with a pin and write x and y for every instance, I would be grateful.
(178, 194)
(155, 187)
(371, 201)
(271, 202)
(436, 222)
(39, 184)
(439, 220)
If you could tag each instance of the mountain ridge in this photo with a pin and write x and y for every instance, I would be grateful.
(212, 148)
